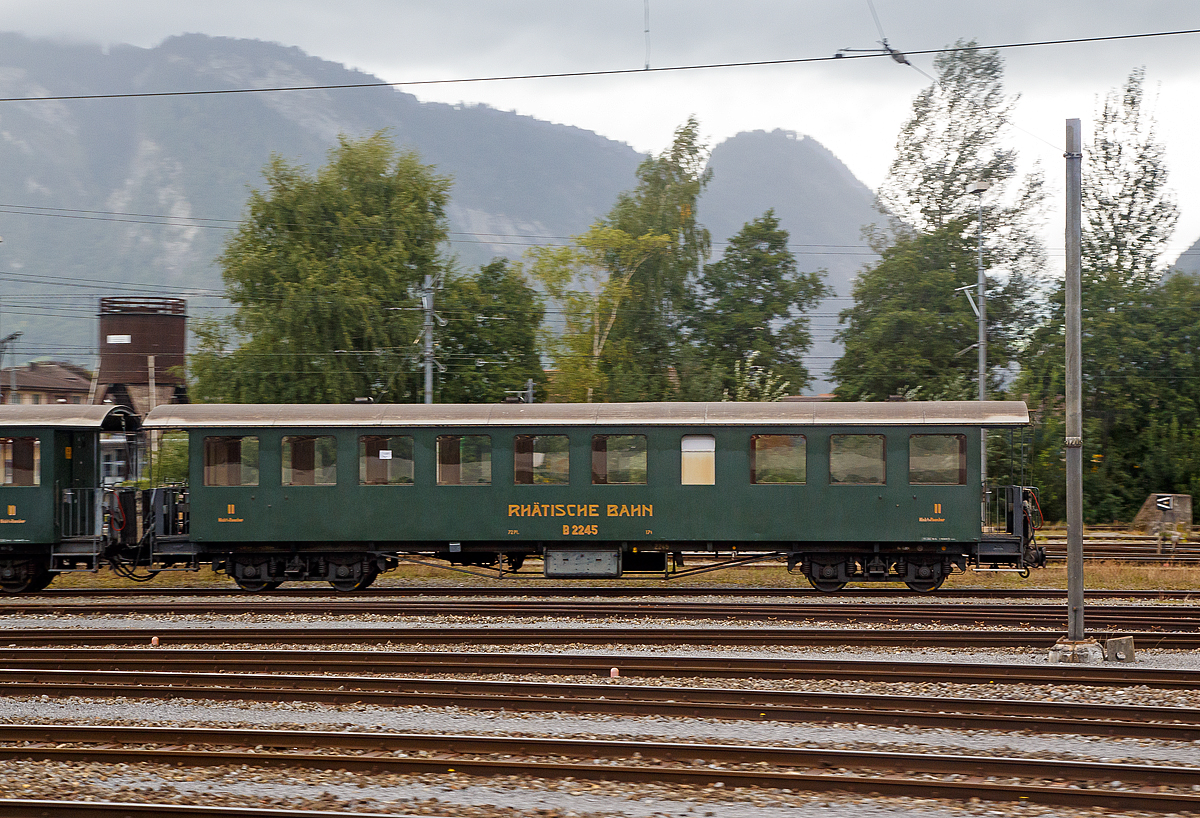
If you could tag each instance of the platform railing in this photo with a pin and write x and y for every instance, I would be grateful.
(1002, 502)
(81, 512)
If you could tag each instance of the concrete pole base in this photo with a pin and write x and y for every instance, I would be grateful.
(1076, 653)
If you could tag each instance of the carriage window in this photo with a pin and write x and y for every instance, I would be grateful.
(618, 459)
(385, 461)
(231, 461)
(857, 460)
(541, 460)
(464, 460)
(778, 459)
(698, 460)
(937, 460)
(22, 461)
(310, 460)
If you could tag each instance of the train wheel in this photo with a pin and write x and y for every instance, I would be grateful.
(41, 583)
(252, 575)
(826, 586)
(824, 575)
(352, 584)
(23, 577)
(925, 586)
(255, 586)
(27, 586)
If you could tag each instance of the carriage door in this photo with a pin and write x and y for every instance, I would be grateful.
(77, 482)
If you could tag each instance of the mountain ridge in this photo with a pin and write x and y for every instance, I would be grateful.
(517, 179)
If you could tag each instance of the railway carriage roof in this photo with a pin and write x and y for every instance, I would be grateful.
(108, 418)
(915, 413)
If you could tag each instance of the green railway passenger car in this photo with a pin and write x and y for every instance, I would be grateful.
(844, 491)
(53, 508)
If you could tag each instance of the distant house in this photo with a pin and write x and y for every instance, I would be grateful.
(45, 382)
(822, 398)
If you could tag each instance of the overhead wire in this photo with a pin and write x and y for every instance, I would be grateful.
(594, 73)
(229, 224)
(536, 239)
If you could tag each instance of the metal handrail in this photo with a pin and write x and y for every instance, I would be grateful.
(81, 512)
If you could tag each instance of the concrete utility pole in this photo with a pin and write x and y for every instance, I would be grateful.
(12, 370)
(427, 306)
(646, 5)
(9, 342)
(1074, 647)
(979, 188)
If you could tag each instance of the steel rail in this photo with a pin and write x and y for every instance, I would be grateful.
(1148, 617)
(515, 589)
(1170, 723)
(44, 808)
(461, 754)
(204, 660)
(640, 636)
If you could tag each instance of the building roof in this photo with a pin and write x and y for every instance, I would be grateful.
(47, 376)
(68, 416)
(916, 413)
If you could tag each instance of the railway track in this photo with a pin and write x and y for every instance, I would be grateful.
(1154, 788)
(895, 638)
(1124, 547)
(1105, 617)
(1168, 723)
(201, 660)
(41, 808)
(1064, 783)
(515, 590)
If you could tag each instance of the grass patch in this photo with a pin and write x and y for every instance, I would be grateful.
(1098, 575)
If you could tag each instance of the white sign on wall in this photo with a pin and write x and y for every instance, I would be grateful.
(120, 339)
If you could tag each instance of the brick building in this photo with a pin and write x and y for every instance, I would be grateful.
(45, 382)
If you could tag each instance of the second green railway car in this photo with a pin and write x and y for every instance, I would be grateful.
(845, 491)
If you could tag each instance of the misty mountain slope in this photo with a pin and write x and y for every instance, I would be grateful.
(196, 157)
(817, 200)
(1189, 260)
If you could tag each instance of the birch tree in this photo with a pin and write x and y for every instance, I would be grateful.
(589, 282)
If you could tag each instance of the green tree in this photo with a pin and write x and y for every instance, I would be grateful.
(490, 342)
(909, 330)
(590, 283)
(953, 138)
(1129, 212)
(752, 382)
(753, 301)
(640, 358)
(313, 272)
(1138, 331)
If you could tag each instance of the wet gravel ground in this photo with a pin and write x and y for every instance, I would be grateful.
(1146, 658)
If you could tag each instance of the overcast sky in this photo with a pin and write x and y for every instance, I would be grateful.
(853, 107)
